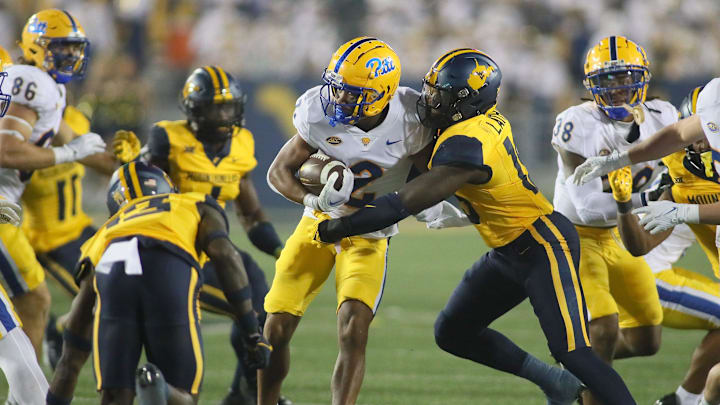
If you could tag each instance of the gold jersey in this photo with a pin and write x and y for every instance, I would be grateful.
(53, 206)
(52, 198)
(193, 169)
(155, 217)
(508, 202)
(690, 188)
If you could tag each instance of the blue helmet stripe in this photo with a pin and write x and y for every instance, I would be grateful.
(613, 48)
(350, 49)
(72, 21)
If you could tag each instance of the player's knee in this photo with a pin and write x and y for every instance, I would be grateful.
(447, 332)
(604, 335)
(279, 329)
(712, 386)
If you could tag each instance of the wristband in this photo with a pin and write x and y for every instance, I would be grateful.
(63, 154)
(76, 341)
(264, 237)
(249, 323)
(311, 200)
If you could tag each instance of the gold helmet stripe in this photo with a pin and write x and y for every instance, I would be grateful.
(431, 77)
(123, 177)
(135, 189)
(695, 94)
(215, 80)
(613, 47)
(227, 95)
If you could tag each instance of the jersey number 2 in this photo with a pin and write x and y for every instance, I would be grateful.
(367, 172)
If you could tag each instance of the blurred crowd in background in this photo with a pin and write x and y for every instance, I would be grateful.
(142, 50)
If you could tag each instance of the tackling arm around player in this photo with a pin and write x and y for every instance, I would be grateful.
(475, 157)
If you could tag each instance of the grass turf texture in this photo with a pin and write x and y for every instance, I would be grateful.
(404, 366)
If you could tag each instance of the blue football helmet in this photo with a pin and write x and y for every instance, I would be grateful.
(135, 180)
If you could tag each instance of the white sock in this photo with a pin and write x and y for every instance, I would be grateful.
(27, 382)
(687, 398)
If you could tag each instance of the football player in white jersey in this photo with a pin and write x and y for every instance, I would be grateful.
(32, 136)
(374, 129)
(26, 381)
(662, 215)
(620, 289)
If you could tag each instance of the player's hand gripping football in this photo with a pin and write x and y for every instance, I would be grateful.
(258, 351)
(596, 166)
(79, 148)
(10, 213)
(621, 183)
(329, 198)
(125, 146)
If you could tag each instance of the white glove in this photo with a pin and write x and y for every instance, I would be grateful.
(443, 215)
(329, 198)
(79, 148)
(663, 215)
(596, 166)
(10, 213)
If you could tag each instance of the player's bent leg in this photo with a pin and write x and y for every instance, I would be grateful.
(279, 329)
(711, 394)
(588, 367)
(33, 307)
(638, 341)
(354, 319)
(27, 383)
(604, 332)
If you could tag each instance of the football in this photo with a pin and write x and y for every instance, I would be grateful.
(314, 173)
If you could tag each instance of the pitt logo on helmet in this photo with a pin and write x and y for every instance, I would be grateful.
(617, 75)
(360, 80)
(54, 41)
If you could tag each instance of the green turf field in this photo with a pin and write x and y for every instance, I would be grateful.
(404, 366)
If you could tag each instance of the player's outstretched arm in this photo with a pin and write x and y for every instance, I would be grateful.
(423, 192)
(664, 142)
(636, 240)
(281, 174)
(254, 220)
(213, 239)
(76, 344)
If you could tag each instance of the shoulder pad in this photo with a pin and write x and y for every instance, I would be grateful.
(32, 87)
(569, 129)
(459, 150)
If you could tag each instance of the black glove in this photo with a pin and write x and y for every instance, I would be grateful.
(333, 230)
(653, 195)
(258, 351)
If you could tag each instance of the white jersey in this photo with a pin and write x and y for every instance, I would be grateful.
(586, 131)
(708, 109)
(35, 89)
(379, 158)
(664, 255)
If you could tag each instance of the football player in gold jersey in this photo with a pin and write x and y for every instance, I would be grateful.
(142, 274)
(212, 153)
(535, 250)
(689, 300)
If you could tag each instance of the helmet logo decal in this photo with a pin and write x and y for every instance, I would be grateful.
(37, 27)
(380, 67)
(479, 75)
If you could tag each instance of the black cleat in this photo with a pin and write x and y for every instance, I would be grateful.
(150, 386)
(53, 343)
(669, 399)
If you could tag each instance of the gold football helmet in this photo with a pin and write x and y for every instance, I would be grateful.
(617, 75)
(360, 80)
(55, 42)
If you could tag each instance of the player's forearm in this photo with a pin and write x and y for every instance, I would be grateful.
(664, 142)
(637, 241)
(282, 180)
(21, 155)
(104, 163)
(710, 214)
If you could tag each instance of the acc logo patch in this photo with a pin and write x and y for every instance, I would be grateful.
(333, 140)
(713, 127)
(603, 152)
(479, 75)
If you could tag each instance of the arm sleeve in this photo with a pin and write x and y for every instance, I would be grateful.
(158, 143)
